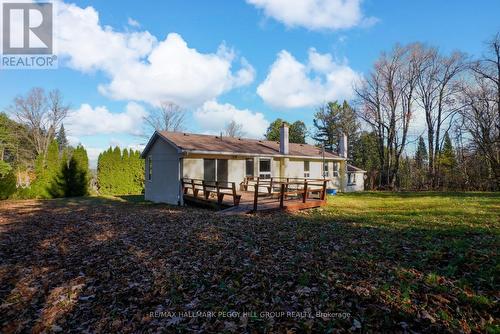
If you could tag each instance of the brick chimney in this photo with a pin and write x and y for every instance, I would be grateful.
(343, 145)
(284, 142)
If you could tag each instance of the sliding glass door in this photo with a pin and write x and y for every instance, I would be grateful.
(215, 170)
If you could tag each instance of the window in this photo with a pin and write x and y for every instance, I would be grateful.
(335, 169)
(306, 169)
(351, 178)
(150, 168)
(249, 167)
(215, 170)
(209, 169)
(265, 168)
(222, 170)
(325, 169)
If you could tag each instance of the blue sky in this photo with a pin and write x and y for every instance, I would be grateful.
(249, 61)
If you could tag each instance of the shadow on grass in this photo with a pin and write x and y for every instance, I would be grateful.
(103, 264)
(103, 200)
(408, 194)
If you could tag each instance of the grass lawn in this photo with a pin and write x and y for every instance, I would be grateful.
(366, 262)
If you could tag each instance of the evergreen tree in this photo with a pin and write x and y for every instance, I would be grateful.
(7, 180)
(104, 171)
(447, 162)
(58, 187)
(421, 155)
(61, 139)
(72, 179)
(421, 163)
(75, 178)
(365, 156)
(333, 119)
(120, 172)
(80, 161)
(47, 171)
(296, 133)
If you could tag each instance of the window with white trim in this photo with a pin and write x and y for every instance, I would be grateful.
(325, 169)
(150, 168)
(351, 178)
(265, 168)
(306, 169)
(335, 169)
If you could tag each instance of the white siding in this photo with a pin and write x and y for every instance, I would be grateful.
(164, 186)
(236, 170)
(293, 168)
(192, 168)
(316, 169)
(359, 185)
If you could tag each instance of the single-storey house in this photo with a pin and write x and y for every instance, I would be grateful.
(171, 156)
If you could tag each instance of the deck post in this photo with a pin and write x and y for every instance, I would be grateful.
(324, 190)
(195, 192)
(235, 199)
(219, 199)
(282, 195)
(304, 198)
(184, 188)
(271, 186)
(255, 196)
(205, 192)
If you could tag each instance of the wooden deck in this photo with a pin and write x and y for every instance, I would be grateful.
(266, 195)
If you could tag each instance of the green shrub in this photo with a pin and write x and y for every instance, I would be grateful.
(7, 185)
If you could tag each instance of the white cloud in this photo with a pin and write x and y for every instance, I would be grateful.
(88, 121)
(291, 84)
(140, 67)
(213, 118)
(315, 14)
(133, 23)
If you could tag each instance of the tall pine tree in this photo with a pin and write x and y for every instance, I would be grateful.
(447, 163)
(61, 139)
(421, 155)
(333, 119)
(73, 177)
(421, 160)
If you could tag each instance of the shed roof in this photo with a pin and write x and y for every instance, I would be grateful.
(351, 168)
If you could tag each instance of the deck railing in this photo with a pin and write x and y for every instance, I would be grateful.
(219, 188)
(281, 189)
(286, 188)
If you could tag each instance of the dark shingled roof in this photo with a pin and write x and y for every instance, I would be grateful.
(210, 143)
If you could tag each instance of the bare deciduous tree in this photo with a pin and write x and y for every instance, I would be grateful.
(437, 89)
(481, 111)
(234, 129)
(386, 99)
(168, 117)
(488, 69)
(41, 114)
